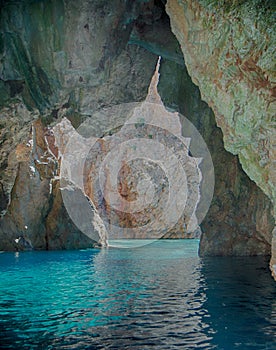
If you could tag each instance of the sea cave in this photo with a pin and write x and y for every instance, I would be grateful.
(137, 174)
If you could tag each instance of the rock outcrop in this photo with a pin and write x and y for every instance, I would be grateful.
(71, 59)
(228, 50)
(36, 217)
(142, 179)
(240, 219)
(63, 59)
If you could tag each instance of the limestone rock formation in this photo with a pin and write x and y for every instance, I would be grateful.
(61, 59)
(228, 51)
(73, 58)
(142, 179)
(36, 217)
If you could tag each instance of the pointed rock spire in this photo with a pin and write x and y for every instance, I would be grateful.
(153, 95)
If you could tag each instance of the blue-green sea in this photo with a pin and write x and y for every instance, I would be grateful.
(159, 296)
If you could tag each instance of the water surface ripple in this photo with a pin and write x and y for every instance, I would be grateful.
(161, 296)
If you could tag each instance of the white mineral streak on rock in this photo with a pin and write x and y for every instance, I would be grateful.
(30, 143)
(34, 143)
(32, 168)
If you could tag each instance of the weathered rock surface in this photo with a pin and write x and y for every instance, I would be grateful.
(228, 51)
(240, 220)
(72, 53)
(61, 232)
(229, 55)
(15, 128)
(36, 217)
(70, 59)
(142, 179)
(63, 59)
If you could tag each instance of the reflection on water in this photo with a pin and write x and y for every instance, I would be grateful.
(160, 296)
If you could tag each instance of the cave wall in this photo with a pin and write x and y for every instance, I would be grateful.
(70, 59)
(228, 49)
(240, 220)
(58, 59)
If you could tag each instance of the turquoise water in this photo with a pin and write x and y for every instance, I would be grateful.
(161, 296)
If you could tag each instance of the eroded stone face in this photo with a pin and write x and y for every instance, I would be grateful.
(141, 179)
(63, 59)
(30, 195)
(229, 57)
(71, 58)
(72, 52)
(228, 53)
(36, 217)
(240, 215)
